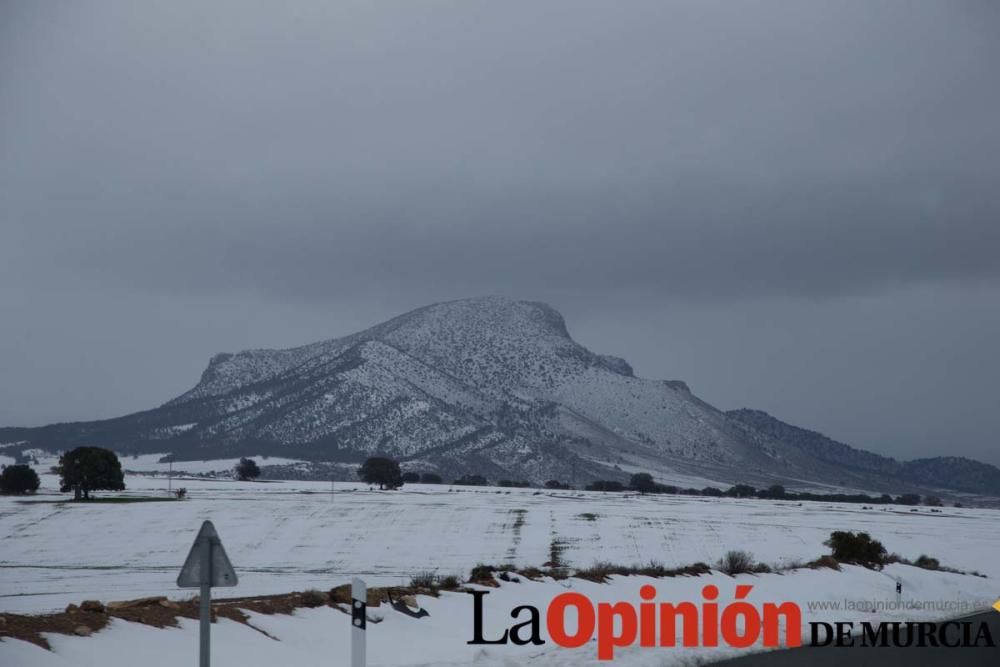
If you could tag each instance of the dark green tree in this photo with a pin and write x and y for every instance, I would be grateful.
(605, 485)
(18, 479)
(471, 480)
(741, 491)
(246, 470)
(775, 491)
(382, 471)
(87, 469)
(430, 478)
(643, 483)
(411, 478)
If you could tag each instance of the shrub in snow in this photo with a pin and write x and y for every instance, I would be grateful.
(483, 574)
(313, 598)
(423, 580)
(857, 548)
(825, 561)
(737, 562)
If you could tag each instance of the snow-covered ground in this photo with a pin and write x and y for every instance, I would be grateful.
(321, 637)
(285, 536)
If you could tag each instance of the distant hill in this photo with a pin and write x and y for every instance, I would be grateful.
(950, 472)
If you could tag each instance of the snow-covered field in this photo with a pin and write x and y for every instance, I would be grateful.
(151, 463)
(320, 637)
(285, 536)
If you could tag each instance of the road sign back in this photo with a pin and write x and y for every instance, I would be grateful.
(219, 571)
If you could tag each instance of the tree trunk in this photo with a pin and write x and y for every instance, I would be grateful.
(76, 493)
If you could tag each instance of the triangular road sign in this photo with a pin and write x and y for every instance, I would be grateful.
(219, 572)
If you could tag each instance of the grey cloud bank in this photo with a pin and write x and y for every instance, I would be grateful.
(791, 206)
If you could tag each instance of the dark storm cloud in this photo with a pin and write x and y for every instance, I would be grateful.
(621, 158)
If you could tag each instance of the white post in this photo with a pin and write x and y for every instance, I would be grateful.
(359, 621)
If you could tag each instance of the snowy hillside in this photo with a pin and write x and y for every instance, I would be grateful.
(484, 386)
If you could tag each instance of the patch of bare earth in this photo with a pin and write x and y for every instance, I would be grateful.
(91, 616)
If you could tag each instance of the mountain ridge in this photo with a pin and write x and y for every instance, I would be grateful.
(485, 386)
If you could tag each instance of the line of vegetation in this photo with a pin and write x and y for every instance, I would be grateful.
(422, 478)
(599, 572)
(644, 483)
(429, 581)
(862, 549)
(845, 548)
(471, 480)
(88, 469)
(385, 472)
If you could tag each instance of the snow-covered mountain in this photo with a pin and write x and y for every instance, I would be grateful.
(861, 467)
(485, 386)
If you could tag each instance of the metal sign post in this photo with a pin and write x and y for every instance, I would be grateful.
(206, 565)
(359, 621)
(205, 605)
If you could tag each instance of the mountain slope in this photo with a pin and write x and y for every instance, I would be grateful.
(950, 472)
(487, 386)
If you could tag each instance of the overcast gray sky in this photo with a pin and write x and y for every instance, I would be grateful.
(793, 206)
